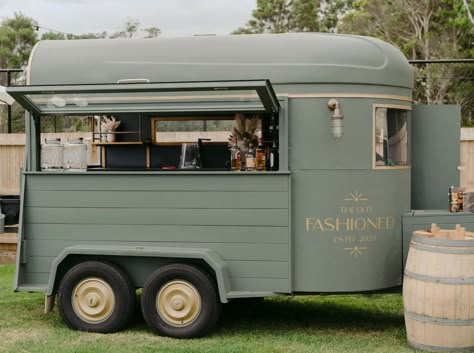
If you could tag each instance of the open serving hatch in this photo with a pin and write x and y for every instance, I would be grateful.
(216, 96)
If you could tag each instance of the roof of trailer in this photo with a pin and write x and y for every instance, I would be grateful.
(281, 58)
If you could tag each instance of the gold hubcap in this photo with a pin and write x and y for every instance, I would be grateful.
(178, 303)
(93, 300)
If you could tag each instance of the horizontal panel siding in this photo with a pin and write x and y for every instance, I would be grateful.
(247, 269)
(158, 233)
(227, 251)
(260, 284)
(158, 199)
(259, 269)
(35, 278)
(198, 217)
(243, 218)
(158, 182)
(39, 264)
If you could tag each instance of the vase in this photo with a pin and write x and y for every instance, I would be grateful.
(110, 136)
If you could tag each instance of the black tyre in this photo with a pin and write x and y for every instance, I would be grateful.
(96, 297)
(180, 301)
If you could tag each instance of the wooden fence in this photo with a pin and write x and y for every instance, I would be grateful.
(467, 159)
(12, 148)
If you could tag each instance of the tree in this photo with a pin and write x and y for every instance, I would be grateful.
(280, 16)
(17, 38)
(152, 32)
(468, 10)
(131, 28)
(423, 29)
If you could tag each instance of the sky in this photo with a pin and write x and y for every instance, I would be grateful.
(175, 18)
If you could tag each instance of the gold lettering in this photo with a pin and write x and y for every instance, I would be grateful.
(348, 224)
(372, 223)
(360, 223)
(390, 222)
(308, 223)
(329, 222)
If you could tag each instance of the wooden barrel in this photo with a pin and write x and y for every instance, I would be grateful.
(438, 294)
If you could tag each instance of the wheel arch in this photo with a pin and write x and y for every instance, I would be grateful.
(207, 256)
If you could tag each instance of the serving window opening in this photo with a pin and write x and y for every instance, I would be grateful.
(202, 126)
(237, 142)
(391, 137)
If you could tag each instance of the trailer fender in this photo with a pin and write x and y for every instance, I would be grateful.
(209, 256)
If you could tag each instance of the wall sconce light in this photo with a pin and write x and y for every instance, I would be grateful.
(337, 127)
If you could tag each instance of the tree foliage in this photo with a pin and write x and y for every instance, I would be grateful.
(280, 16)
(132, 28)
(424, 29)
(18, 35)
(17, 38)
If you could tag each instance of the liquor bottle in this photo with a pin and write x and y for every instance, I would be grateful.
(274, 156)
(250, 159)
(260, 165)
(234, 156)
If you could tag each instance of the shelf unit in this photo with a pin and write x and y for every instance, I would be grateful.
(97, 136)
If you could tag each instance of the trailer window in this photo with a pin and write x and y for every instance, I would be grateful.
(187, 130)
(391, 136)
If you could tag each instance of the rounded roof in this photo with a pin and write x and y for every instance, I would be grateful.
(282, 58)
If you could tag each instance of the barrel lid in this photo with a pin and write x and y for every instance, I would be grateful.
(52, 141)
(75, 141)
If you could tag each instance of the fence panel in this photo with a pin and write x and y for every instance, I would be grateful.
(12, 149)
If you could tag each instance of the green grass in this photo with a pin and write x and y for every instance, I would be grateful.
(344, 323)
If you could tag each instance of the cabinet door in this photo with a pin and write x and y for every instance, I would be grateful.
(435, 153)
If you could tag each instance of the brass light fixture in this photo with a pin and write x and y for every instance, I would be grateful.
(337, 127)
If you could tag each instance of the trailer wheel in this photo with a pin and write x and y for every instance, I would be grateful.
(96, 297)
(180, 301)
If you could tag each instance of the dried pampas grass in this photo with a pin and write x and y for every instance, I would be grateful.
(245, 130)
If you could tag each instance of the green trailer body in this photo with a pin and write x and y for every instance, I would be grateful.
(329, 220)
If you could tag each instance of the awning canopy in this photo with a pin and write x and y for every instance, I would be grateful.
(216, 96)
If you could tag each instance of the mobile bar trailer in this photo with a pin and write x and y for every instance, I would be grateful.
(331, 214)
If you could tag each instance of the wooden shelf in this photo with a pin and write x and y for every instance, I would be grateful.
(116, 132)
(117, 143)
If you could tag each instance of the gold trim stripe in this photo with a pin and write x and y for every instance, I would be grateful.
(346, 95)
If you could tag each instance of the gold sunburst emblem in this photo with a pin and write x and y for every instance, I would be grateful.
(356, 197)
(356, 251)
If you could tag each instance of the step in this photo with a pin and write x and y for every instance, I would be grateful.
(7, 257)
(8, 239)
(8, 242)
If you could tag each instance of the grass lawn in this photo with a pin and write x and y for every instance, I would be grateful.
(345, 323)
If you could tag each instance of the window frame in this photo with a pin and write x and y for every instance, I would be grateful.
(374, 117)
(224, 97)
(154, 121)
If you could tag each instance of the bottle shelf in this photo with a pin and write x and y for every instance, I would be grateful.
(117, 143)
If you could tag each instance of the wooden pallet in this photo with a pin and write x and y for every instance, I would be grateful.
(8, 242)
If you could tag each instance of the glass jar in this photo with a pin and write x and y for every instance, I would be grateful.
(75, 155)
(52, 155)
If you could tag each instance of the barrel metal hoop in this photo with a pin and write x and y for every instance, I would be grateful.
(427, 347)
(442, 250)
(455, 243)
(444, 280)
(438, 321)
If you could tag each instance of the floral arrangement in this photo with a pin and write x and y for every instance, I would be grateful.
(109, 123)
(245, 130)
